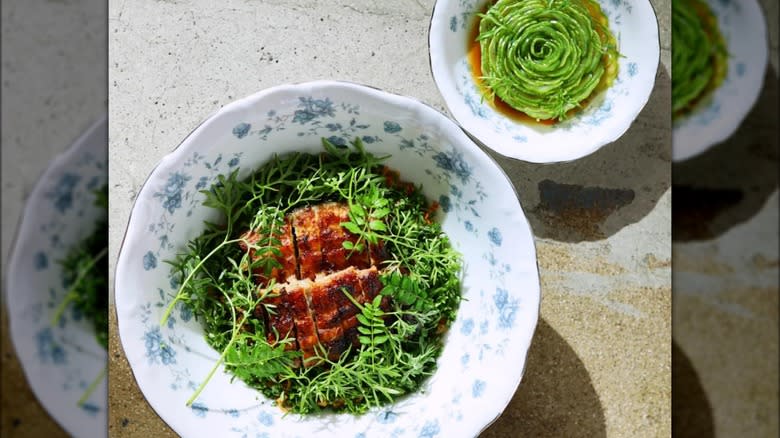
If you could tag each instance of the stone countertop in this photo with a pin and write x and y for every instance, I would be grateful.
(600, 363)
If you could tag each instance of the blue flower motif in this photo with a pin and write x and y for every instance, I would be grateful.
(303, 117)
(62, 195)
(90, 408)
(392, 127)
(478, 388)
(495, 236)
(312, 109)
(445, 203)
(202, 182)
(333, 127)
(150, 261)
(469, 226)
(265, 419)
(476, 106)
(520, 138)
(241, 130)
(467, 326)
(233, 413)
(506, 309)
(741, 69)
(386, 417)
(453, 162)
(430, 429)
(174, 282)
(93, 183)
(360, 435)
(156, 349)
(40, 261)
(454, 23)
(171, 193)
(633, 69)
(185, 313)
(48, 349)
(465, 359)
(233, 162)
(199, 409)
(337, 141)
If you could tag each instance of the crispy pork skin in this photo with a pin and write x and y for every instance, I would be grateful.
(312, 300)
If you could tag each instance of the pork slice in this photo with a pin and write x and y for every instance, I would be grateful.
(286, 259)
(332, 237)
(334, 311)
(277, 314)
(371, 286)
(307, 239)
(305, 328)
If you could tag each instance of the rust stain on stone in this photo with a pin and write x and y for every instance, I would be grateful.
(700, 265)
(654, 263)
(695, 208)
(579, 208)
(761, 262)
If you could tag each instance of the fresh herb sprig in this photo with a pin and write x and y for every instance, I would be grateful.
(398, 347)
(85, 272)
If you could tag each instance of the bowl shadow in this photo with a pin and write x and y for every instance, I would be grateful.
(596, 196)
(730, 182)
(556, 396)
(691, 410)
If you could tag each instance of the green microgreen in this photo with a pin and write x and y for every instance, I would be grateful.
(399, 344)
(85, 274)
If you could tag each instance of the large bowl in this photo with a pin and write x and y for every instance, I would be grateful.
(59, 361)
(743, 27)
(604, 120)
(485, 352)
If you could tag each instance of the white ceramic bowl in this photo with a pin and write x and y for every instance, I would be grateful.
(485, 352)
(634, 25)
(59, 361)
(744, 29)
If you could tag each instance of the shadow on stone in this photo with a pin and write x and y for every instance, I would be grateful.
(556, 397)
(729, 183)
(598, 195)
(691, 411)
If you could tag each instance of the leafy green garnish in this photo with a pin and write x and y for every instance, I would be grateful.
(85, 271)
(398, 345)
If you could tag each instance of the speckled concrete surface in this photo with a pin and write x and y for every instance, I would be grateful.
(600, 362)
(53, 88)
(726, 276)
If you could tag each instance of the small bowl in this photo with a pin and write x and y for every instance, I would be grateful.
(743, 27)
(59, 361)
(485, 350)
(604, 120)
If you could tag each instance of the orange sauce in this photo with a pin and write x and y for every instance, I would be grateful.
(474, 56)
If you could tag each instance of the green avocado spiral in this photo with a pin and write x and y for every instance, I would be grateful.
(698, 53)
(545, 57)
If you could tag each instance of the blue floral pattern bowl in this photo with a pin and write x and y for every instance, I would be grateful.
(485, 352)
(604, 120)
(743, 27)
(59, 361)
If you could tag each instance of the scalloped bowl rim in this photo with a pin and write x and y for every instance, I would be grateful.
(529, 152)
